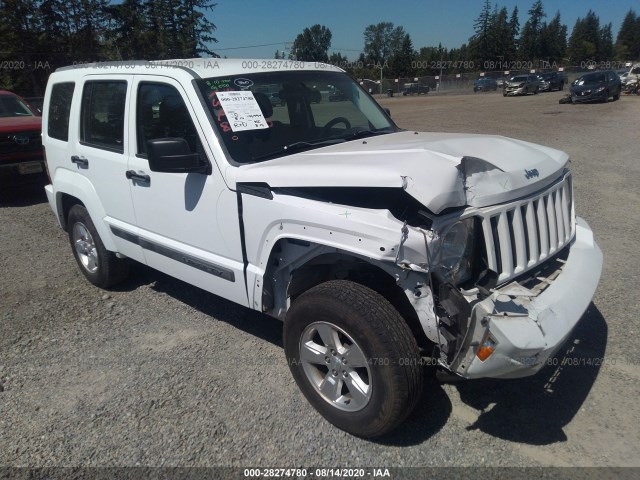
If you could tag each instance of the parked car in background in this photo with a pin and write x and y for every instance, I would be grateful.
(521, 85)
(552, 81)
(623, 74)
(414, 89)
(21, 154)
(485, 84)
(596, 87)
(543, 85)
(276, 100)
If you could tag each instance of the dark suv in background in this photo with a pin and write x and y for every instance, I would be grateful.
(555, 80)
(485, 84)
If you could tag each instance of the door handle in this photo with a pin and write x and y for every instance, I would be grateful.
(139, 177)
(80, 161)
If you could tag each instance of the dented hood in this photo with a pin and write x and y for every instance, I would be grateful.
(440, 170)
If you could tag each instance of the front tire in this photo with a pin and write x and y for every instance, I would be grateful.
(354, 357)
(100, 266)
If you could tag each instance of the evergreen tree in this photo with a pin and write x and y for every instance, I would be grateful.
(606, 51)
(402, 60)
(514, 33)
(628, 40)
(553, 38)
(530, 38)
(481, 43)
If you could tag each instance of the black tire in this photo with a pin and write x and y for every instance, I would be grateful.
(110, 269)
(606, 97)
(535, 92)
(381, 335)
(616, 97)
(561, 86)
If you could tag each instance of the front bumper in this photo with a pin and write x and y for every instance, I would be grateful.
(529, 330)
(515, 91)
(592, 97)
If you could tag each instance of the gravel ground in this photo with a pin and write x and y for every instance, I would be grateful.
(159, 373)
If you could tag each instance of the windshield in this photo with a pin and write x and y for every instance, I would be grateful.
(267, 115)
(518, 79)
(11, 106)
(592, 78)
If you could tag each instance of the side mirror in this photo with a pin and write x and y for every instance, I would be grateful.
(173, 155)
(388, 111)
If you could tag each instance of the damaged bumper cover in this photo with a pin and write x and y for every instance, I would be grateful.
(525, 328)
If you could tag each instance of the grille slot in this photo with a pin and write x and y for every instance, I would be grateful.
(522, 234)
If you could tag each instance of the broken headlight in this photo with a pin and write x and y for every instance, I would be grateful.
(455, 255)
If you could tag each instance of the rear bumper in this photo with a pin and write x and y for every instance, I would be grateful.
(529, 330)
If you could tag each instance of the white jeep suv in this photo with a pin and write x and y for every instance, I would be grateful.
(381, 249)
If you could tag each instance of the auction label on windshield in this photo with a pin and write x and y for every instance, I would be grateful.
(242, 110)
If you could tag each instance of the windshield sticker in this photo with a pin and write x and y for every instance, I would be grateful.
(218, 83)
(243, 83)
(242, 111)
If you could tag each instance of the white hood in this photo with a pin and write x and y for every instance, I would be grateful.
(431, 167)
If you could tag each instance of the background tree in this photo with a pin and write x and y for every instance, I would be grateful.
(312, 45)
(481, 43)
(530, 38)
(402, 58)
(514, 34)
(587, 42)
(381, 41)
(553, 40)
(628, 40)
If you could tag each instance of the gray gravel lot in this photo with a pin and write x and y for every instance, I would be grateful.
(161, 373)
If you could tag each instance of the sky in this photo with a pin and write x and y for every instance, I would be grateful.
(450, 22)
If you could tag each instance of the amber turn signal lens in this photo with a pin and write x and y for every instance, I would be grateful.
(485, 351)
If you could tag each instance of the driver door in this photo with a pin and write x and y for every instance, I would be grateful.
(188, 224)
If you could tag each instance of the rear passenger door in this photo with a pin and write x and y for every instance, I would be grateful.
(99, 152)
(188, 223)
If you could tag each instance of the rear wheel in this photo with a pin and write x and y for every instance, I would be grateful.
(100, 266)
(354, 357)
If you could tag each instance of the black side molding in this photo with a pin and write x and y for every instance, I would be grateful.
(189, 260)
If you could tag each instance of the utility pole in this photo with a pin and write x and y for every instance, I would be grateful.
(381, 66)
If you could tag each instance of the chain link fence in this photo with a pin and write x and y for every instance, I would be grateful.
(459, 82)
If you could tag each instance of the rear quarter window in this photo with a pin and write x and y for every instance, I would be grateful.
(102, 117)
(59, 110)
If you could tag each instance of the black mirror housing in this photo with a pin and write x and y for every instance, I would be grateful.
(173, 155)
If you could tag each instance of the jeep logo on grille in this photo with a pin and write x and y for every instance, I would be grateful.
(21, 139)
(529, 174)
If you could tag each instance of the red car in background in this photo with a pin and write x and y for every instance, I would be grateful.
(21, 153)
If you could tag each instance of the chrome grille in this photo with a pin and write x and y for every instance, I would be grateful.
(522, 234)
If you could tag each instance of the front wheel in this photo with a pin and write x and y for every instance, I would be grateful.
(100, 266)
(354, 357)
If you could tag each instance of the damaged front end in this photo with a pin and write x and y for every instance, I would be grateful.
(505, 285)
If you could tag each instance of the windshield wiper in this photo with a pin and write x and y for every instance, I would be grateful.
(366, 133)
(298, 147)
